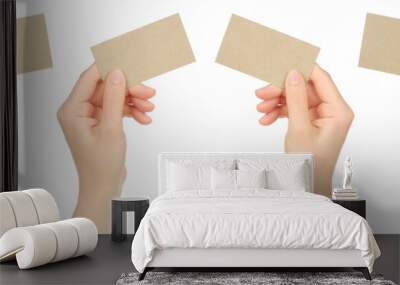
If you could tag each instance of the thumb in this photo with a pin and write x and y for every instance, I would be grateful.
(296, 101)
(113, 100)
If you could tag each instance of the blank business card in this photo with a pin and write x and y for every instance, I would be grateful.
(146, 52)
(263, 52)
(380, 48)
(33, 49)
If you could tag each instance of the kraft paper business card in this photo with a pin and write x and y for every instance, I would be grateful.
(263, 52)
(380, 48)
(33, 49)
(146, 52)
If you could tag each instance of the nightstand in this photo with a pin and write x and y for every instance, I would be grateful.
(357, 206)
(119, 208)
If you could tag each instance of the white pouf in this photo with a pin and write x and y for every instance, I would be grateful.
(45, 205)
(7, 220)
(31, 230)
(23, 208)
(37, 245)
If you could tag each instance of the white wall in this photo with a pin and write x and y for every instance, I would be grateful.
(205, 106)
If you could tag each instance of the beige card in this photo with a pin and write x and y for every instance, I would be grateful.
(146, 52)
(381, 44)
(33, 49)
(263, 52)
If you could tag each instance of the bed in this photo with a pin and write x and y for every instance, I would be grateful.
(247, 210)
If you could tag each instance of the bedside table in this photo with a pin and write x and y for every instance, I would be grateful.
(119, 208)
(357, 206)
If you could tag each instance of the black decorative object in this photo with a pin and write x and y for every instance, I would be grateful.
(119, 208)
(357, 206)
(8, 98)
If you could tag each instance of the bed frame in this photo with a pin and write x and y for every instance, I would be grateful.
(234, 259)
(249, 259)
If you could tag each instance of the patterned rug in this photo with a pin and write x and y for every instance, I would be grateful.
(244, 278)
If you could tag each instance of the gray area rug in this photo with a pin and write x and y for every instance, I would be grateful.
(269, 278)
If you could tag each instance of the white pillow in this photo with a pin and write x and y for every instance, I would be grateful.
(188, 177)
(282, 174)
(251, 179)
(237, 179)
(189, 174)
(292, 179)
(223, 179)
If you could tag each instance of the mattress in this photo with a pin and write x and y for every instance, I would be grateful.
(251, 219)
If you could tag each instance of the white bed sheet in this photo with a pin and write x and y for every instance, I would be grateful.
(250, 218)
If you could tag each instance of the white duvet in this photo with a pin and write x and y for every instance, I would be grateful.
(250, 218)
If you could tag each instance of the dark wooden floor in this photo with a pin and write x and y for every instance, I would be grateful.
(110, 260)
(102, 266)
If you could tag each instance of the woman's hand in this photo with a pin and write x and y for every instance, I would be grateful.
(319, 119)
(91, 118)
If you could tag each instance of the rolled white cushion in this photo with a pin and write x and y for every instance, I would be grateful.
(87, 234)
(46, 206)
(41, 244)
(7, 218)
(67, 239)
(33, 246)
(23, 208)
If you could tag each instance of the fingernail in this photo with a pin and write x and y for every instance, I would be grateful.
(294, 77)
(260, 89)
(117, 77)
(269, 86)
(129, 101)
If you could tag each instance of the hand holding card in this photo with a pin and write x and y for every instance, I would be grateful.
(319, 119)
(91, 118)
